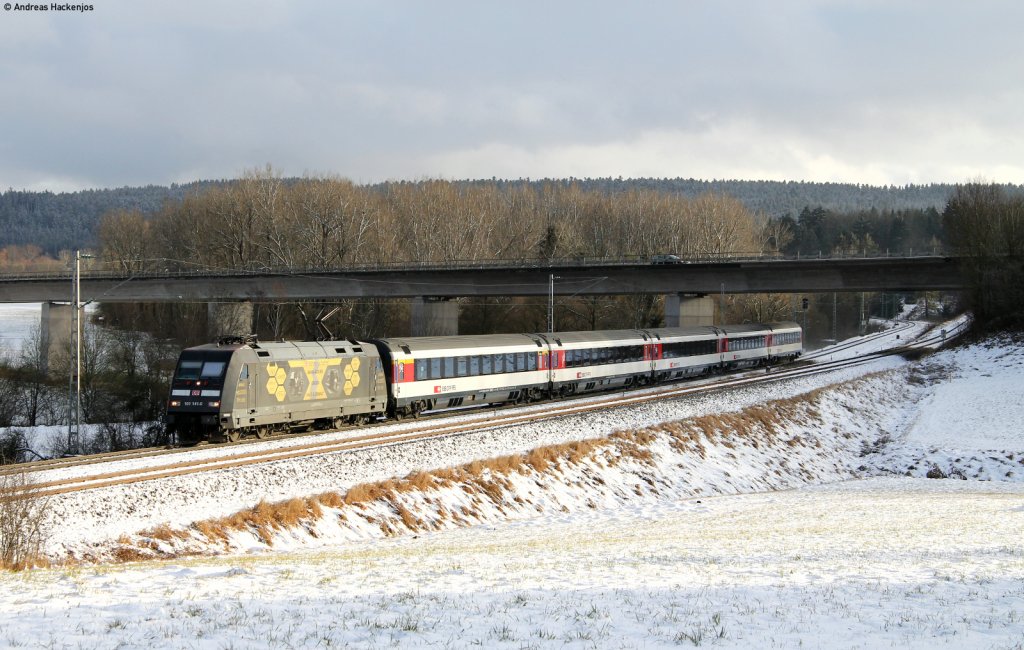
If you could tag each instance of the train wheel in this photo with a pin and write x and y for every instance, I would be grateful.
(262, 433)
(233, 435)
(338, 422)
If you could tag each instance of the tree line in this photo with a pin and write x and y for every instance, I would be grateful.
(68, 220)
(985, 224)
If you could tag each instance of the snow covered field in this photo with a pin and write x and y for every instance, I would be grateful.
(18, 321)
(876, 563)
(822, 532)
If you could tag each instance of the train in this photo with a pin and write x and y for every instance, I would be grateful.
(240, 387)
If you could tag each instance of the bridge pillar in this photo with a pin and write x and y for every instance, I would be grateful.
(689, 310)
(228, 318)
(434, 316)
(55, 326)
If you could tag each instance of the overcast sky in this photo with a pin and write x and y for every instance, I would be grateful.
(877, 92)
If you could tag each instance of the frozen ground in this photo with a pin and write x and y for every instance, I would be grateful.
(808, 534)
(17, 323)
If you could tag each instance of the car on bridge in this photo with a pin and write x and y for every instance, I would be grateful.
(666, 259)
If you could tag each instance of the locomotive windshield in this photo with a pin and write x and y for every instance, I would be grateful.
(200, 368)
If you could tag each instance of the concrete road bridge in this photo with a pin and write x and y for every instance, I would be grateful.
(687, 285)
(466, 279)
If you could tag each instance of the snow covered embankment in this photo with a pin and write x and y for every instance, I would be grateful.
(817, 437)
(967, 422)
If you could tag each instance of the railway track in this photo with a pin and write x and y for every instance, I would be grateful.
(900, 327)
(166, 463)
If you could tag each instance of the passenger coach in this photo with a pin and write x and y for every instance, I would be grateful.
(431, 372)
(685, 351)
(586, 361)
(786, 342)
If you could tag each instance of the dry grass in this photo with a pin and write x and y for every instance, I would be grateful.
(330, 499)
(165, 533)
(264, 519)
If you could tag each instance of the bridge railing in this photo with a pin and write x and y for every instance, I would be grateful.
(94, 270)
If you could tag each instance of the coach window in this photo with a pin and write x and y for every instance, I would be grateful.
(531, 361)
(460, 366)
(435, 368)
(449, 367)
(421, 369)
(486, 365)
(474, 365)
(499, 363)
(510, 362)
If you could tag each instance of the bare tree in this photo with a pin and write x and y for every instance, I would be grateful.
(125, 240)
(33, 379)
(23, 516)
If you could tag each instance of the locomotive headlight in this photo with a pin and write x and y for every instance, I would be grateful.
(215, 404)
(175, 402)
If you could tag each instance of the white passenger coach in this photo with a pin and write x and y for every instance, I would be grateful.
(427, 373)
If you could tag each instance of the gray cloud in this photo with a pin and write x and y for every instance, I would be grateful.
(859, 91)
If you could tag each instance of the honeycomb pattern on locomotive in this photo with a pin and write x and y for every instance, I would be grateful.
(294, 381)
(351, 376)
(277, 376)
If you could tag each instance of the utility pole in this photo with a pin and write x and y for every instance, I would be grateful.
(834, 339)
(74, 376)
(862, 327)
(721, 306)
(75, 379)
(551, 302)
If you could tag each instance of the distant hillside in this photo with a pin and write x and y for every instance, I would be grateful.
(779, 198)
(62, 221)
(66, 221)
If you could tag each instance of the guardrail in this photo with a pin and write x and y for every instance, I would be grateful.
(454, 265)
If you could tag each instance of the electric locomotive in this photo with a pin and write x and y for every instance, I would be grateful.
(239, 387)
